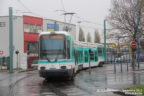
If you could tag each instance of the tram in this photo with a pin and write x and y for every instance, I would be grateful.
(60, 56)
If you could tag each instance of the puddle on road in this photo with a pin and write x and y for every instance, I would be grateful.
(96, 82)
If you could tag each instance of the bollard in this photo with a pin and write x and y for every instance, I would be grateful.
(127, 67)
(127, 63)
(121, 66)
(115, 67)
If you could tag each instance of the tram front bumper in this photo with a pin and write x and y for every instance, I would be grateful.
(56, 73)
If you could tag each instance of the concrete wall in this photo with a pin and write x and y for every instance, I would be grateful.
(18, 38)
(18, 35)
(4, 36)
(61, 26)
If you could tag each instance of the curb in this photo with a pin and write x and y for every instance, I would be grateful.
(25, 70)
(124, 94)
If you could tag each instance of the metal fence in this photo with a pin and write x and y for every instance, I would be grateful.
(4, 63)
(114, 55)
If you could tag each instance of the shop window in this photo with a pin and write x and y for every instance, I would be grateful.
(2, 24)
(32, 47)
(32, 28)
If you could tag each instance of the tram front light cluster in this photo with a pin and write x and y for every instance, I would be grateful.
(71, 66)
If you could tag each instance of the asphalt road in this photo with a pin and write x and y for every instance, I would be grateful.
(100, 81)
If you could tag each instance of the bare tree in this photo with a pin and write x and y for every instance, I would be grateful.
(97, 37)
(81, 35)
(88, 37)
(123, 16)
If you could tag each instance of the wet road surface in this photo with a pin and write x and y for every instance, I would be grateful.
(100, 81)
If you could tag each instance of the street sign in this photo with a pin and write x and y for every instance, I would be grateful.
(133, 44)
(1, 52)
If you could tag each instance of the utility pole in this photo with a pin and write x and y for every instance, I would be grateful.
(79, 29)
(105, 40)
(138, 49)
(55, 26)
(11, 39)
(118, 44)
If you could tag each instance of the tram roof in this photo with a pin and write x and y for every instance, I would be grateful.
(87, 44)
(55, 32)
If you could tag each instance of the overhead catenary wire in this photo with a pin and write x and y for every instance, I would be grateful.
(62, 3)
(29, 10)
(19, 1)
(87, 21)
(64, 10)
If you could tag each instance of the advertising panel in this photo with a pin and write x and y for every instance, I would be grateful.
(50, 27)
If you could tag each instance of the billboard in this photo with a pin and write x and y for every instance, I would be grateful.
(50, 27)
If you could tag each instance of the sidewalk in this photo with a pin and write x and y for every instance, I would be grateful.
(5, 73)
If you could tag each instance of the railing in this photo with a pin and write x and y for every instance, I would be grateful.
(4, 63)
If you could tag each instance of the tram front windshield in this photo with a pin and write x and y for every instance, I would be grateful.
(52, 47)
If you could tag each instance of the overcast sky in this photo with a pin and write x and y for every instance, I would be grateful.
(90, 10)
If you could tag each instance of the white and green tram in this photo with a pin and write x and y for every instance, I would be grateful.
(60, 56)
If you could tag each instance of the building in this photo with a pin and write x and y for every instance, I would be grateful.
(25, 36)
(48, 25)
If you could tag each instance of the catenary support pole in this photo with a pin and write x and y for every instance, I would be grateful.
(11, 39)
(138, 49)
(105, 40)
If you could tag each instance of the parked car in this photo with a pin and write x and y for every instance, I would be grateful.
(141, 58)
(123, 58)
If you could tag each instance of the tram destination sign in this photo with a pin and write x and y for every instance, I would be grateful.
(52, 37)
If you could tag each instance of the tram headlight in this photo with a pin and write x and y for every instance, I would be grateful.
(71, 66)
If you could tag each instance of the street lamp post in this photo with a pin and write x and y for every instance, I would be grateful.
(79, 22)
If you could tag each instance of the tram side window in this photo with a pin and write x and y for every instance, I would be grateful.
(73, 49)
(91, 55)
(86, 56)
(103, 51)
(81, 56)
(99, 51)
(68, 49)
(96, 57)
(78, 56)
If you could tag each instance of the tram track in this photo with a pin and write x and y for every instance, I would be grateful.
(12, 86)
(65, 88)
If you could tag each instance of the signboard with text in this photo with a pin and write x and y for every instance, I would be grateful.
(50, 27)
(1, 52)
(133, 44)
